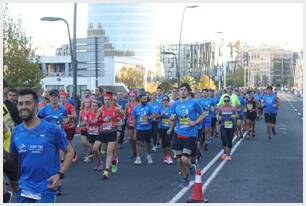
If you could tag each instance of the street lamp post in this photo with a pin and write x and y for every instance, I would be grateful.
(177, 70)
(179, 46)
(72, 46)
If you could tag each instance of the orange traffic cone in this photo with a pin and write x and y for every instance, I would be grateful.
(197, 195)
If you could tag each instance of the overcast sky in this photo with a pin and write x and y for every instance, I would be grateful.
(255, 23)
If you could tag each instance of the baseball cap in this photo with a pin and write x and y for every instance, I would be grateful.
(53, 92)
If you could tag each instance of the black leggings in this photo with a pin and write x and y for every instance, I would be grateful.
(154, 131)
(227, 136)
(166, 139)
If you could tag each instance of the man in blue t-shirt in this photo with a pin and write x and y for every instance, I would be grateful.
(143, 115)
(186, 115)
(270, 104)
(155, 107)
(36, 143)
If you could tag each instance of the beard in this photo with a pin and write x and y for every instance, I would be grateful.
(27, 116)
(144, 103)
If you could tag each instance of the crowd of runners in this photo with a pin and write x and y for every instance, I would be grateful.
(39, 131)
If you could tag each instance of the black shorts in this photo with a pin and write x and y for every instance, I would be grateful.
(84, 133)
(107, 137)
(92, 138)
(270, 118)
(144, 136)
(166, 139)
(251, 116)
(185, 146)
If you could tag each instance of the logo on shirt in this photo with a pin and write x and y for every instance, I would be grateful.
(36, 148)
(22, 149)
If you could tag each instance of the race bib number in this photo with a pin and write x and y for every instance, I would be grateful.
(250, 106)
(120, 123)
(228, 124)
(144, 120)
(106, 126)
(93, 130)
(184, 122)
(31, 195)
(245, 109)
(165, 122)
(131, 122)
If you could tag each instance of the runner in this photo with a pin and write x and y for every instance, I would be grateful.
(165, 134)
(36, 143)
(155, 122)
(227, 114)
(241, 110)
(119, 126)
(251, 106)
(185, 113)
(215, 99)
(143, 115)
(207, 105)
(69, 122)
(258, 97)
(83, 125)
(270, 103)
(130, 121)
(108, 131)
(93, 133)
(122, 102)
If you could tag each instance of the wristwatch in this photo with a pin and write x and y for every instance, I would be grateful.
(62, 175)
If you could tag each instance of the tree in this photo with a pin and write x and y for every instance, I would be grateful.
(166, 85)
(133, 76)
(235, 78)
(189, 80)
(207, 83)
(19, 71)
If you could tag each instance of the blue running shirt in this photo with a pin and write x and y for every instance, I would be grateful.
(54, 116)
(38, 150)
(141, 114)
(185, 111)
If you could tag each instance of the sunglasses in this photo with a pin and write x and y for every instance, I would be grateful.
(165, 100)
(227, 100)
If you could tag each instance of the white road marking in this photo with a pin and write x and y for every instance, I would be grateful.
(217, 170)
(180, 194)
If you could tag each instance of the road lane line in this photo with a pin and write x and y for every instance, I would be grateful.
(218, 169)
(180, 194)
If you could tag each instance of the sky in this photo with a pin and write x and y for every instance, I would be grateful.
(254, 23)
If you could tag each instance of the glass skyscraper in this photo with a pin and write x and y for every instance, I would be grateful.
(129, 28)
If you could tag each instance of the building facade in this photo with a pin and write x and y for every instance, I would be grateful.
(298, 69)
(196, 59)
(129, 28)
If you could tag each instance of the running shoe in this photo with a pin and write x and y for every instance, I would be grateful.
(270, 138)
(154, 148)
(137, 161)
(75, 157)
(86, 159)
(229, 158)
(170, 161)
(223, 157)
(114, 166)
(7, 197)
(149, 158)
(105, 175)
(166, 159)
